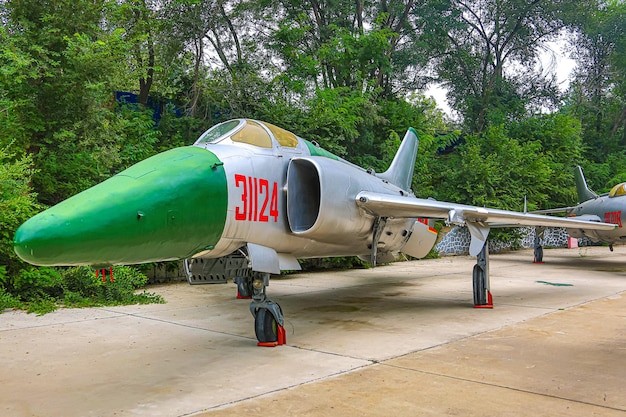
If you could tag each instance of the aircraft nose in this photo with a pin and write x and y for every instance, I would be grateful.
(169, 206)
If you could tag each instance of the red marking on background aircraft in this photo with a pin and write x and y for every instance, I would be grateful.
(614, 217)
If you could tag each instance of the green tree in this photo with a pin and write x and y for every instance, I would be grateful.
(493, 170)
(488, 62)
(19, 116)
(60, 77)
(598, 93)
(560, 144)
(363, 45)
(138, 19)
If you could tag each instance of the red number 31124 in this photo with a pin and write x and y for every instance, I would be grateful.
(258, 203)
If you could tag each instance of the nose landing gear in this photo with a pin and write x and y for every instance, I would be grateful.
(269, 320)
(269, 325)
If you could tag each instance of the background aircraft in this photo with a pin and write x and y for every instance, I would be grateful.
(608, 207)
(256, 198)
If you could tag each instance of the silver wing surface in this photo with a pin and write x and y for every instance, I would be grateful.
(479, 220)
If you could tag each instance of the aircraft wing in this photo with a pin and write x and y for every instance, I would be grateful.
(477, 219)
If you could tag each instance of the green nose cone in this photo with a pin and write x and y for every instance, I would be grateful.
(169, 206)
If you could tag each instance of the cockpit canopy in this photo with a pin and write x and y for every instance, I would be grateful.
(248, 131)
(618, 190)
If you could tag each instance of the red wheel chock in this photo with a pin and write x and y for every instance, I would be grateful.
(489, 302)
(281, 340)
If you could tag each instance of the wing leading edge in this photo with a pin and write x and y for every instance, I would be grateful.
(479, 220)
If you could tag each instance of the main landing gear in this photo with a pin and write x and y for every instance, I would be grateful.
(538, 252)
(269, 320)
(480, 278)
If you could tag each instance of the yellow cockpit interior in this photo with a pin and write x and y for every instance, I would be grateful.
(253, 134)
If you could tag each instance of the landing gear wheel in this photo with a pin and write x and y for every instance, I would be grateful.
(538, 255)
(265, 326)
(269, 320)
(478, 275)
(480, 279)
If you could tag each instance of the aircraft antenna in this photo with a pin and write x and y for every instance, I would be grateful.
(525, 204)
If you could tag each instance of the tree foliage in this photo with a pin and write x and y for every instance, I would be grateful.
(17, 203)
(361, 45)
(491, 55)
(598, 94)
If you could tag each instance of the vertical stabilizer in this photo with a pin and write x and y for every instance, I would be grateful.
(400, 171)
(583, 191)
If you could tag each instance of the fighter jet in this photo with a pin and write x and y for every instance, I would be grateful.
(248, 200)
(608, 207)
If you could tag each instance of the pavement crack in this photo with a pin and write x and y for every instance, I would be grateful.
(62, 323)
(495, 385)
(187, 326)
(270, 392)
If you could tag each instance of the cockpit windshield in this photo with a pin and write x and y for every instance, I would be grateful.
(219, 131)
(239, 131)
(618, 190)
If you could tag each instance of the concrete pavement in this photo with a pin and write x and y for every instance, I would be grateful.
(398, 340)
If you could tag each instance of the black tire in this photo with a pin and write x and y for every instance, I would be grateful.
(480, 295)
(265, 326)
(539, 254)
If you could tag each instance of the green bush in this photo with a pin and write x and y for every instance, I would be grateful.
(32, 284)
(42, 290)
(82, 282)
(83, 289)
(40, 306)
(7, 300)
(3, 277)
(17, 203)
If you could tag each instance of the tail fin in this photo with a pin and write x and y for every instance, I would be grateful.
(583, 191)
(400, 172)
